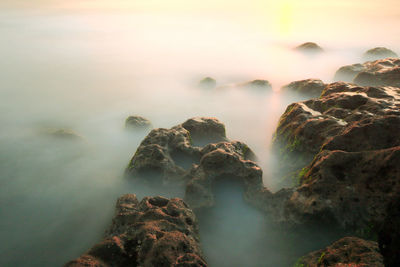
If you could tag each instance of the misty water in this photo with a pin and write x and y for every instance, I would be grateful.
(87, 69)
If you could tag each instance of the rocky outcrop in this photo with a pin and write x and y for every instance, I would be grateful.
(348, 251)
(168, 154)
(309, 47)
(379, 53)
(179, 154)
(384, 72)
(389, 234)
(208, 83)
(343, 151)
(153, 232)
(137, 123)
(309, 87)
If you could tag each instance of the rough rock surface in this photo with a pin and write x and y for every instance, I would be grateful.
(137, 122)
(197, 153)
(167, 154)
(348, 251)
(309, 87)
(350, 136)
(208, 83)
(384, 72)
(154, 232)
(379, 53)
(389, 234)
(309, 47)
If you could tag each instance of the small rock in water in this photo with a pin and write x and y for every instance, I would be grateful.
(378, 53)
(138, 123)
(257, 84)
(309, 47)
(208, 83)
(64, 134)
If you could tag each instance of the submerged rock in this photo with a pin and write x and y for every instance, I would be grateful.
(379, 53)
(64, 134)
(208, 83)
(384, 72)
(309, 87)
(309, 47)
(257, 84)
(153, 232)
(348, 251)
(137, 123)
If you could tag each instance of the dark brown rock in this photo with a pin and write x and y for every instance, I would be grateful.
(348, 251)
(309, 47)
(309, 87)
(384, 72)
(154, 232)
(379, 53)
(389, 234)
(137, 123)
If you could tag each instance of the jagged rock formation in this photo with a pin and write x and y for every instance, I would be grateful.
(384, 72)
(137, 123)
(350, 136)
(153, 232)
(309, 47)
(309, 87)
(348, 251)
(179, 155)
(379, 53)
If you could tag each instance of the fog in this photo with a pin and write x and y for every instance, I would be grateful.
(86, 67)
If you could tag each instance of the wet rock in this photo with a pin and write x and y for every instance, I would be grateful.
(208, 83)
(342, 150)
(309, 47)
(379, 53)
(257, 84)
(347, 73)
(137, 123)
(309, 87)
(348, 251)
(227, 160)
(153, 232)
(384, 72)
(389, 234)
(167, 154)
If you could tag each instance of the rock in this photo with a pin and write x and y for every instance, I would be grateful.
(378, 53)
(257, 84)
(309, 47)
(137, 123)
(64, 134)
(176, 158)
(154, 232)
(384, 72)
(309, 87)
(226, 160)
(347, 73)
(343, 151)
(167, 154)
(389, 234)
(208, 83)
(348, 251)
